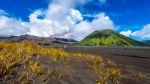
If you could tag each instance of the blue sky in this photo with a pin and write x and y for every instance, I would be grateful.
(126, 15)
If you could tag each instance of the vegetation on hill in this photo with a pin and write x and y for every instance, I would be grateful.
(28, 63)
(108, 38)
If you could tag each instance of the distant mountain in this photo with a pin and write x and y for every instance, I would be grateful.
(39, 40)
(2, 37)
(146, 42)
(109, 38)
(66, 40)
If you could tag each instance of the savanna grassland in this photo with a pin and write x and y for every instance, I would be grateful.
(28, 63)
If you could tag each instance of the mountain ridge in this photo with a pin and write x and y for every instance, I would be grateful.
(109, 37)
(39, 40)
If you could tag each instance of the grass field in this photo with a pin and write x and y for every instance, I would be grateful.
(28, 63)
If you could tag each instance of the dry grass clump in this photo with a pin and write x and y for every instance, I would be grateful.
(36, 67)
(21, 62)
(112, 75)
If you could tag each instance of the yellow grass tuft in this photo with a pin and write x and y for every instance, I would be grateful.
(36, 67)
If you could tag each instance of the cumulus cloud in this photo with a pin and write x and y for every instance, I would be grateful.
(60, 19)
(81, 30)
(143, 33)
(10, 26)
(126, 33)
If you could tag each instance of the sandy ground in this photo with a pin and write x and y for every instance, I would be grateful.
(135, 58)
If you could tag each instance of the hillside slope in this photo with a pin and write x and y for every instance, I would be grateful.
(108, 38)
(36, 39)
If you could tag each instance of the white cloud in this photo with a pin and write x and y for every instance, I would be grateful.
(126, 33)
(10, 26)
(142, 34)
(84, 28)
(102, 22)
(76, 15)
(81, 30)
(60, 19)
